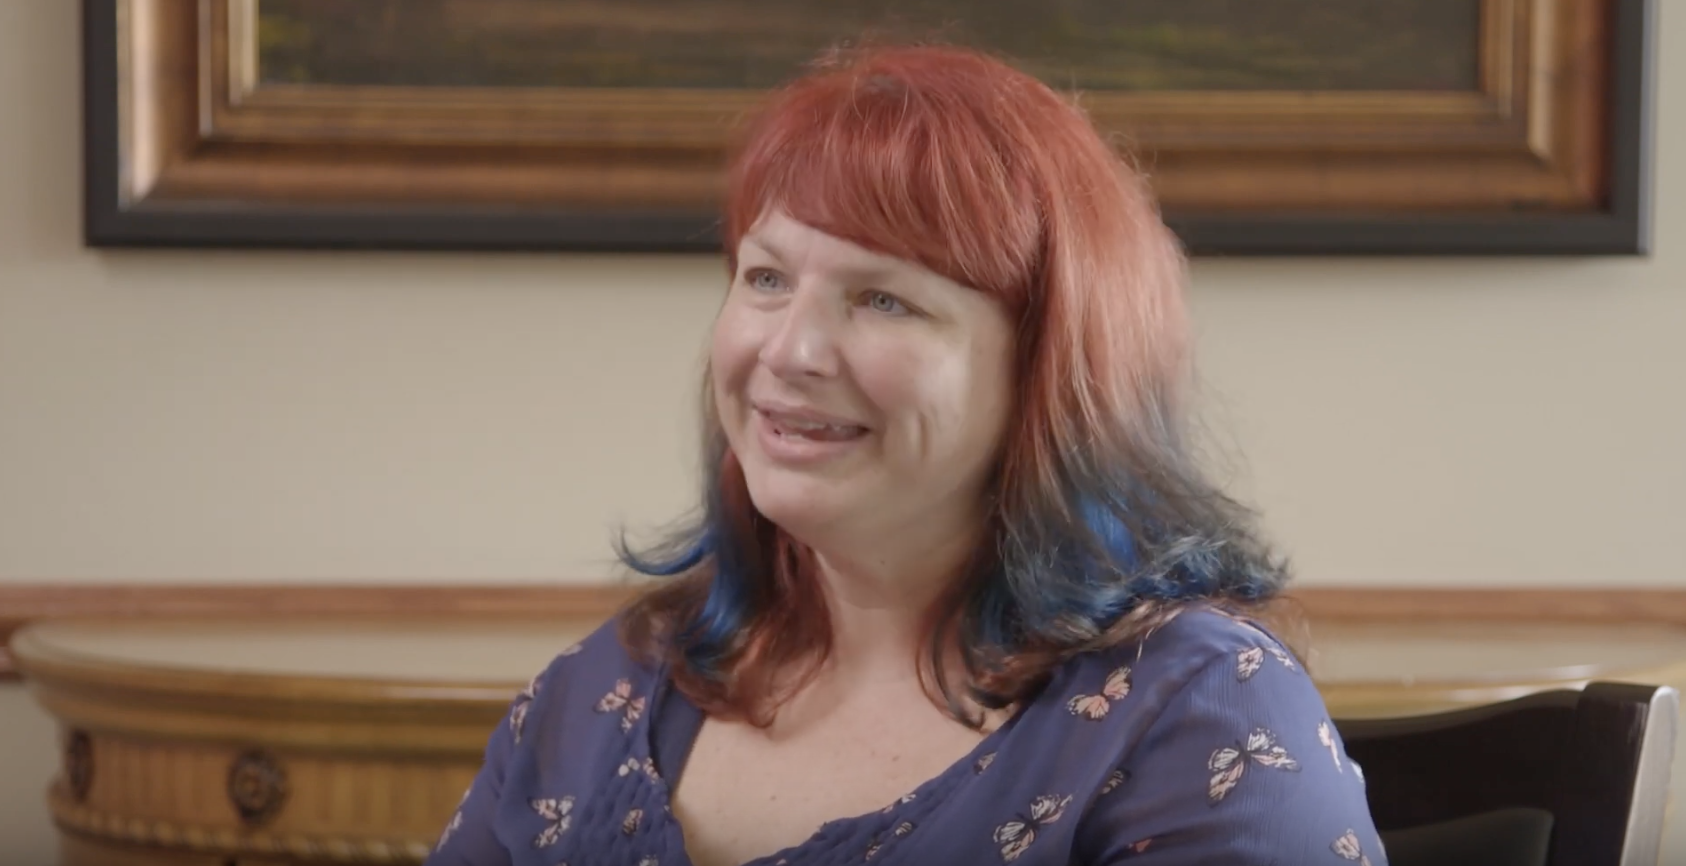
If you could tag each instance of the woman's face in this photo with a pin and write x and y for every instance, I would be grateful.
(865, 396)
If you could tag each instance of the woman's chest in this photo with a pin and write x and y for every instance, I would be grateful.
(747, 793)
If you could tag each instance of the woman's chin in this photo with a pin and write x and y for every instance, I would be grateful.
(800, 509)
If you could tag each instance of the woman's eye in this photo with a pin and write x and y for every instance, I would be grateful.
(884, 303)
(765, 281)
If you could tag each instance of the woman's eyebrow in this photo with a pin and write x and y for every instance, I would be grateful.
(867, 272)
(766, 246)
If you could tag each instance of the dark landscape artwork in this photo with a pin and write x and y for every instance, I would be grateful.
(1176, 45)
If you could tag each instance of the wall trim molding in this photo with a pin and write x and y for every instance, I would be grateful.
(1492, 604)
(21, 603)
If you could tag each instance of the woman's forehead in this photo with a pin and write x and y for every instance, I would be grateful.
(797, 245)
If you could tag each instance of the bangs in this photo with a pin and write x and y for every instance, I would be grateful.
(910, 172)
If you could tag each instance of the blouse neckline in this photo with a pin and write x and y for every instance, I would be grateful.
(671, 730)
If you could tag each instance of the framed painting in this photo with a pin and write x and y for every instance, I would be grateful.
(1269, 126)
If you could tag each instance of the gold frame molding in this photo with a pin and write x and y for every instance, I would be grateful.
(1548, 154)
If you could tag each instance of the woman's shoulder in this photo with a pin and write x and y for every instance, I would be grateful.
(1199, 659)
(1128, 726)
(1214, 633)
(600, 647)
(1191, 642)
(595, 671)
(1221, 743)
(576, 716)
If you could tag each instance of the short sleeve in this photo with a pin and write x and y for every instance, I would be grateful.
(467, 839)
(1243, 766)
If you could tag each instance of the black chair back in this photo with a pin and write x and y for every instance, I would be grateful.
(1591, 765)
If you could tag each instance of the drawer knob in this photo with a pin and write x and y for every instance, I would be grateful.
(257, 786)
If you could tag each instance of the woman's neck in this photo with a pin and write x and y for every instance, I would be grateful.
(879, 650)
(880, 610)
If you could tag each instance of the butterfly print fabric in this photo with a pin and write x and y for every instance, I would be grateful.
(1016, 836)
(1229, 764)
(1095, 707)
(620, 700)
(1349, 848)
(557, 820)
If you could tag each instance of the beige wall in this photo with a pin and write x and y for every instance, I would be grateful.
(316, 417)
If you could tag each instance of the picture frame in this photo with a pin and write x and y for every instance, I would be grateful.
(185, 146)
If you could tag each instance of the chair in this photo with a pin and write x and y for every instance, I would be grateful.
(1559, 778)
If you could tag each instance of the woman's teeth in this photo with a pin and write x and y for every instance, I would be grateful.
(819, 432)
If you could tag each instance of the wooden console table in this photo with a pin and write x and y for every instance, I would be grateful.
(316, 741)
(231, 743)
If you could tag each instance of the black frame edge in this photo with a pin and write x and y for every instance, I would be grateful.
(101, 199)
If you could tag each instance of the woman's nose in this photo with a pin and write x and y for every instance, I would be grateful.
(803, 343)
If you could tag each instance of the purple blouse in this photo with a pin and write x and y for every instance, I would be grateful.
(1205, 743)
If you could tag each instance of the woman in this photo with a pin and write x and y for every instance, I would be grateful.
(958, 594)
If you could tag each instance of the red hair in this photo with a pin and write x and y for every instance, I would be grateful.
(979, 172)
